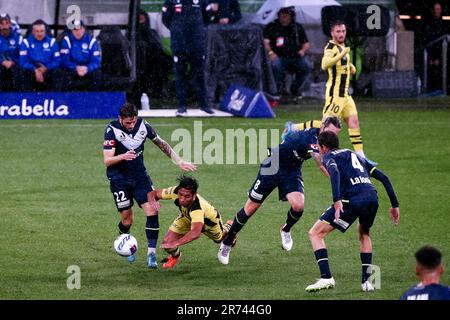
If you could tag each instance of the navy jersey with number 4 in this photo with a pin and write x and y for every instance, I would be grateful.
(430, 292)
(116, 136)
(354, 175)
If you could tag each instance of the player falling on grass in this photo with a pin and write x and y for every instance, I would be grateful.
(196, 216)
(282, 170)
(354, 197)
(338, 102)
(123, 154)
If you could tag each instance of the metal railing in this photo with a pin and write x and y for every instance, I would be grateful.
(445, 39)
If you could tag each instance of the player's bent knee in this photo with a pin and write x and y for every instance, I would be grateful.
(298, 206)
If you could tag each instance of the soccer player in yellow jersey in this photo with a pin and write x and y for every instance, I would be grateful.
(338, 102)
(196, 216)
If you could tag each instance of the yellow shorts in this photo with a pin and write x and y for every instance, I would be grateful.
(342, 107)
(182, 225)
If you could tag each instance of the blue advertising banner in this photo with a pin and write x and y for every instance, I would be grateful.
(245, 102)
(61, 105)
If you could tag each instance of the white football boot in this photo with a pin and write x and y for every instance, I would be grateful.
(321, 284)
(367, 286)
(224, 253)
(286, 239)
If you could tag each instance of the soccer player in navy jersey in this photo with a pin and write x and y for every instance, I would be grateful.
(282, 170)
(429, 269)
(354, 197)
(123, 154)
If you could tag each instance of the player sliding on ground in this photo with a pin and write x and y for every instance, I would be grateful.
(354, 197)
(196, 216)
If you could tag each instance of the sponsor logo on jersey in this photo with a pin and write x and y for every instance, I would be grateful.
(48, 108)
(358, 180)
(109, 143)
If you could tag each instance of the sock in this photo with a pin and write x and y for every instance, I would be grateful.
(174, 252)
(239, 221)
(123, 229)
(309, 124)
(322, 261)
(366, 261)
(356, 139)
(292, 218)
(152, 230)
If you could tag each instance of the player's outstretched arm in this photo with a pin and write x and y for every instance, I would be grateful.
(168, 151)
(318, 160)
(329, 60)
(394, 211)
(193, 234)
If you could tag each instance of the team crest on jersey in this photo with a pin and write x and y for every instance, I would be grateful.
(84, 46)
(45, 45)
(195, 1)
(12, 42)
(121, 136)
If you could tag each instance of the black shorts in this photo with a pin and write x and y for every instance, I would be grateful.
(286, 181)
(124, 190)
(366, 211)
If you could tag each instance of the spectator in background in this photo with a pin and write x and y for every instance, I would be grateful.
(153, 64)
(287, 44)
(429, 269)
(80, 60)
(10, 43)
(14, 25)
(40, 59)
(224, 11)
(434, 28)
(186, 21)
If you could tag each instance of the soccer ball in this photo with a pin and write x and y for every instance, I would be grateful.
(125, 245)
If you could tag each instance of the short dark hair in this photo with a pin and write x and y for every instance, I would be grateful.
(429, 257)
(187, 182)
(39, 22)
(128, 110)
(332, 120)
(328, 139)
(337, 23)
(287, 10)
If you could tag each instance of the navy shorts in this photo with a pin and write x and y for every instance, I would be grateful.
(125, 190)
(364, 210)
(286, 181)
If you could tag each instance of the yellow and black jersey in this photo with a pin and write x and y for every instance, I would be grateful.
(338, 71)
(200, 211)
(307, 125)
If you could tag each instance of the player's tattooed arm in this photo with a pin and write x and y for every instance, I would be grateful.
(168, 151)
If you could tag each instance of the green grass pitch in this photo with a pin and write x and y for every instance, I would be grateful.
(57, 211)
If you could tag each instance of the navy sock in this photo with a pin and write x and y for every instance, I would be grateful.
(152, 230)
(123, 229)
(366, 261)
(322, 261)
(292, 218)
(239, 221)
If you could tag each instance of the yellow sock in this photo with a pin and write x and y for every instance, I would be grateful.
(356, 139)
(308, 124)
